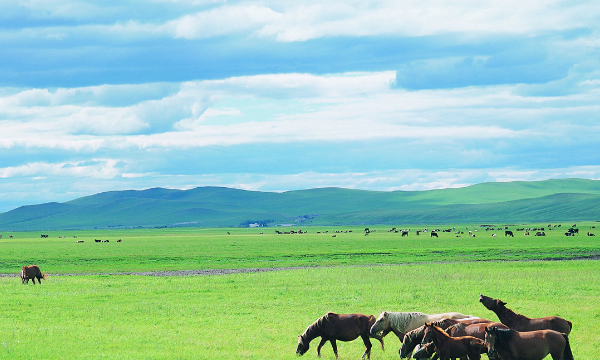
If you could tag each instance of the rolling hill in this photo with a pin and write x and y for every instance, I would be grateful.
(550, 200)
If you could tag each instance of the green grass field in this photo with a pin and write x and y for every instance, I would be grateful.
(260, 315)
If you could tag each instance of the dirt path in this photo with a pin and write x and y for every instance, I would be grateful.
(257, 270)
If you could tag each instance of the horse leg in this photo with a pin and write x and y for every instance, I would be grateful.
(323, 341)
(368, 345)
(334, 346)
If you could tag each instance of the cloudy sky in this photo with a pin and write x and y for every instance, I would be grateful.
(282, 95)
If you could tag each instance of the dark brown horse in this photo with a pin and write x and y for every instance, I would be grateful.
(31, 272)
(527, 345)
(453, 347)
(523, 323)
(344, 327)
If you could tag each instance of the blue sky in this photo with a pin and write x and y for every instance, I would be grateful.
(283, 95)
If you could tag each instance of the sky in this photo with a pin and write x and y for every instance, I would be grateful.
(284, 95)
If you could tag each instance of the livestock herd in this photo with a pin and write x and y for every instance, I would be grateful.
(449, 335)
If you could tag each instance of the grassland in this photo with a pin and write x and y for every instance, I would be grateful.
(181, 249)
(260, 315)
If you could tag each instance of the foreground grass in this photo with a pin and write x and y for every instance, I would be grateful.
(183, 249)
(260, 315)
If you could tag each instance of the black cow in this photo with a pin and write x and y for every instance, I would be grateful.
(509, 233)
(433, 234)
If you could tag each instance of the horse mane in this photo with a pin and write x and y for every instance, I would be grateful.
(409, 336)
(457, 326)
(400, 320)
(315, 327)
(440, 330)
(510, 314)
(444, 323)
(503, 336)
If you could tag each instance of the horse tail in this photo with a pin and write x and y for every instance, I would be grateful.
(567, 354)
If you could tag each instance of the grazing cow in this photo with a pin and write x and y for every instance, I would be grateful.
(590, 234)
(96, 240)
(79, 241)
(44, 235)
(509, 233)
(540, 233)
(433, 234)
(122, 240)
(404, 232)
(31, 272)
(105, 241)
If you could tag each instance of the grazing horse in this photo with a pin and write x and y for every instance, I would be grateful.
(528, 345)
(402, 322)
(523, 323)
(344, 327)
(453, 347)
(31, 272)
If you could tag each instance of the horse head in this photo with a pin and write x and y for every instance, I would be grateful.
(490, 303)
(382, 323)
(427, 334)
(490, 341)
(302, 346)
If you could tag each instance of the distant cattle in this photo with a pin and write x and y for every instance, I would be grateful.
(97, 240)
(404, 232)
(44, 235)
(79, 241)
(540, 233)
(433, 234)
(590, 234)
(509, 233)
(122, 240)
(31, 272)
(105, 241)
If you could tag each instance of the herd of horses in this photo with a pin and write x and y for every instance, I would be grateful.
(449, 335)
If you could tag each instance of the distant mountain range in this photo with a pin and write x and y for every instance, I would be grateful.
(550, 200)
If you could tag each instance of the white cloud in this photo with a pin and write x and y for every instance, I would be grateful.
(95, 168)
(222, 21)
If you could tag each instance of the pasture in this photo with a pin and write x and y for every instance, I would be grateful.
(260, 315)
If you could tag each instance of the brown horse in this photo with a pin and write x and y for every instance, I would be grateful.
(528, 345)
(523, 323)
(415, 337)
(31, 272)
(344, 327)
(475, 330)
(453, 347)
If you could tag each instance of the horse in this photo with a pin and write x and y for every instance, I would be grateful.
(414, 337)
(523, 323)
(453, 347)
(344, 327)
(476, 330)
(31, 272)
(402, 322)
(528, 345)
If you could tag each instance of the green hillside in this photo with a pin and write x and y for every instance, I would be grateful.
(550, 200)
